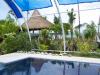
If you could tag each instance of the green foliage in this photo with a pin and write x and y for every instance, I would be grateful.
(43, 47)
(2, 22)
(56, 45)
(46, 43)
(44, 37)
(98, 50)
(67, 27)
(35, 43)
(56, 28)
(84, 47)
(7, 26)
(90, 31)
(77, 33)
(10, 40)
(44, 40)
(56, 20)
(13, 43)
(44, 33)
(72, 18)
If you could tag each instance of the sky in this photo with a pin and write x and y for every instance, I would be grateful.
(85, 16)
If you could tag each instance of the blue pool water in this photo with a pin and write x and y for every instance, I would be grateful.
(49, 67)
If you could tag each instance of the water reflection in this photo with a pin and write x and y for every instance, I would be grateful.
(49, 67)
(37, 64)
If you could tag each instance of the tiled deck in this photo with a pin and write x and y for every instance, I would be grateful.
(19, 56)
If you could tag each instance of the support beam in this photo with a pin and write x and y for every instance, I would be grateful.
(62, 26)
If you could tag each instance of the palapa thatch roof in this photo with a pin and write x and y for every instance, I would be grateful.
(37, 22)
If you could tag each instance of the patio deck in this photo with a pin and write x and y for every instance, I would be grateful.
(8, 58)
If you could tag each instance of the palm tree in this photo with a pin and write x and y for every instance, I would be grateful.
(90, 31)
(72, 18)
(57, 27)
(56, 20)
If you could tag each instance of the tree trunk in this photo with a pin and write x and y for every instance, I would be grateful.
(72, 32)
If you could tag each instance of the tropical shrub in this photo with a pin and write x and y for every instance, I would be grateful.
(44, 40)
(35, 43)
(43, 47)
(90, 31)
(15, 43)
(84, 47)
(56, 45)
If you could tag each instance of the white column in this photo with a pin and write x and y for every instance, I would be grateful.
(78, 15)
(62, 26)
(25, 21)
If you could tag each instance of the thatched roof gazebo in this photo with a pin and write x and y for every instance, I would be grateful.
(37, 22)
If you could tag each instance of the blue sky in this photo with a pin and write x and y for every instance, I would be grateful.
(86, 16)
(3, 9)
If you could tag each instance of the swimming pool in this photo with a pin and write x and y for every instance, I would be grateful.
(35, 66)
